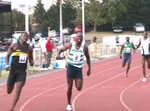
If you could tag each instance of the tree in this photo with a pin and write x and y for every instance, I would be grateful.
(53, 15)
(137, 11)
(18, 20)
(94, 14)
(97, 13)
(52, 18)
(39, 15)
(69, 14)
(113, 9)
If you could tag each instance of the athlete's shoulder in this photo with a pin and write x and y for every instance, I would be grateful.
(29, 47)
(85, 47)
(13, 46)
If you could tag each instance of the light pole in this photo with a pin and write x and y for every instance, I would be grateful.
(61, 23)
(26, 17)
(83, 19)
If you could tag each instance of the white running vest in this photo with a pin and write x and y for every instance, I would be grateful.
(76, 57)
(145, 50)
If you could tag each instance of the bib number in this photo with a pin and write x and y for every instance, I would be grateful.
(22, 58)
(128, 50)
(76, 57)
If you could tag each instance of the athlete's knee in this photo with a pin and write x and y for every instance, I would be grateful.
(143, 65)
(9, 91)
(123, 65)
(69, 88)
(148, 66)
(79, 88)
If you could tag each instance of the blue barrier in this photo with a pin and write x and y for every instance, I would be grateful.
(56, 65)
(3, 62)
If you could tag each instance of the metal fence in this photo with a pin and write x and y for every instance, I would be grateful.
(100, 50)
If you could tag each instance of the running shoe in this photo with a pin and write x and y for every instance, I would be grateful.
(69, 107)
(144, 79)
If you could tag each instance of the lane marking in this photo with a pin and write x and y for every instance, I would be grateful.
(28, 101)
(65, 75)
(100, 83)
(123, 92)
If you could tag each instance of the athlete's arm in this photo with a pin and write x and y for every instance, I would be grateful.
(133, 47)
(9, 52)
(31, 56)
(122, 47)
(139, 44)
(86, 52)
(67, 46)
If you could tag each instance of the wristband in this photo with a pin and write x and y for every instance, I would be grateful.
(7, 66)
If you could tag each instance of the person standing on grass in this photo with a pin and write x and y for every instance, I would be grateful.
(75, 62)
(49, 50)
(126, 48)
(93, 48)
(145, 52)
(42, 44)
(21, 52)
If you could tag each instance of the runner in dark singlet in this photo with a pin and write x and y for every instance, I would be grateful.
(21, 52)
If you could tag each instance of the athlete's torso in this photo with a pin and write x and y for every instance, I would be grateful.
(76, 56)
(145, 43)
(20, 57)
(127, 47)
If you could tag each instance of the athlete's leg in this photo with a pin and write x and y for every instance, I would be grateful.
(9, 89)
(69, 90)
(143, 66)
(129, 62)
(79, 83)
(10, 82)
(148, 62)
(19, 86)
(124, 60)
(128, 68)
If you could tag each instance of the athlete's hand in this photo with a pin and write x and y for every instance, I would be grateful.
(8, 68)
(58, 57)
(120, 57)
(31, 63)
(88, 72)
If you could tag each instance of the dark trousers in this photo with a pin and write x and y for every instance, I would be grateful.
(49, 55)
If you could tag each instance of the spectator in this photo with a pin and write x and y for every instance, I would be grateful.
(42, 44)
(92, 47)
(2, 39)
(117, 40)
(49, 49)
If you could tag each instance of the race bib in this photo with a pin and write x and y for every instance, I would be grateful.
(23, 58)
(128, 50)
(77, 57)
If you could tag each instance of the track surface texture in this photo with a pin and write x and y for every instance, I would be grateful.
(107, 89)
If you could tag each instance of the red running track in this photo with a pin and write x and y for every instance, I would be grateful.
(107, 89)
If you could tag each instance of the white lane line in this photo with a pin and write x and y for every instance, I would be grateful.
(25, 104)
(28, 101)
(37, 83)
(47, 73)
(100, 83)
(64, 75)
(123, 92)
(56, 88)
